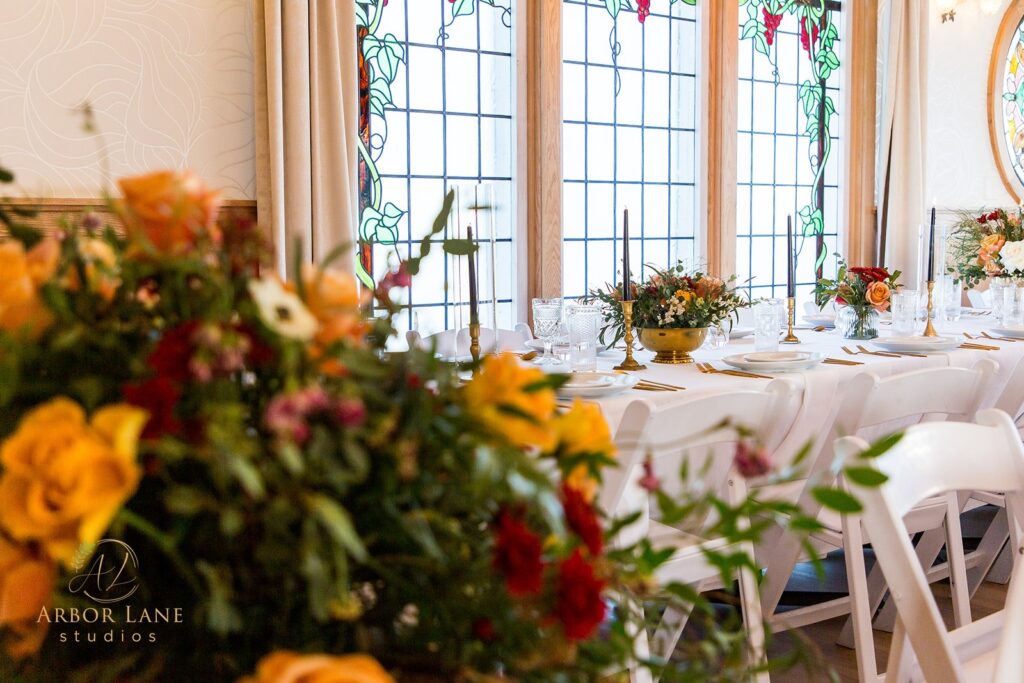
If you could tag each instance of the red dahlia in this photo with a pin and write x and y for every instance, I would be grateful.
(580, 607)
(581, 518)
(159, 397)
(517, 555)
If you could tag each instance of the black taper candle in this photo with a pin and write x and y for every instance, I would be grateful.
(790, 259)
(627, 291)
(931, 249)
(474, 304)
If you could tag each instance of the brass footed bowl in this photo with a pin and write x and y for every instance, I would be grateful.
(673, 346)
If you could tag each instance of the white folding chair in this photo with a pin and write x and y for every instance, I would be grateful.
(868, 401)
(936, 461)
(691, 431)
(453, 343)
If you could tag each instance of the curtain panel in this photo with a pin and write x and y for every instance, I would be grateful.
(307, 109)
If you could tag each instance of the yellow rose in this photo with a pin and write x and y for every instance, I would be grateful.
(583, 430)
(100, 267)
(878, 295)
(26, 586)
(500, 397)
(21, 308)
(171, 209)
(64, 479)
(289, 667)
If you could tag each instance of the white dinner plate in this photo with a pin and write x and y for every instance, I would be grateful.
(776, 356)
(740, 361)
(823, 319)
(1013, 331)
(559, 346)
(595, 386)
(740, 332)
(916, 344)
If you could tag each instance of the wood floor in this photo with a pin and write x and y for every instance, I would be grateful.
(989, 598)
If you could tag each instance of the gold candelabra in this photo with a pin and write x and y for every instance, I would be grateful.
(790, 338)
(929, 327)
(474, 343)
(629, 364)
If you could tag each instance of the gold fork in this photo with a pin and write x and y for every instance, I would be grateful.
(709, 369)
(986, 335)
(895, 354)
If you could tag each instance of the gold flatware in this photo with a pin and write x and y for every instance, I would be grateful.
(643, 386)
(666, 385)
(979, 347)
(865, 352)
(891, 354)
(709, 369)
(840, 361)
(986, 335)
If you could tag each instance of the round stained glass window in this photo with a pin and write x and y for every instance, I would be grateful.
(1013, 102)
(1006, 99)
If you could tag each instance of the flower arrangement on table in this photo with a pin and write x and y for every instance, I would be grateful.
(674, 299)
(299, 503)
(861, 293)
(985, 246)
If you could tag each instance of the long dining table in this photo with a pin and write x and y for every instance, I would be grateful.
(817, 391)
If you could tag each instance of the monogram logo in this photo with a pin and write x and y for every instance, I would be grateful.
(111, 577)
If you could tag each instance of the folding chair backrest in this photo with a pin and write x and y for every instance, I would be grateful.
(930, 460)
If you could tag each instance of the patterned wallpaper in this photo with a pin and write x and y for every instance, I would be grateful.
(170, 82)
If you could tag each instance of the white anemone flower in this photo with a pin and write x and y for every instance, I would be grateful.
(281, 310)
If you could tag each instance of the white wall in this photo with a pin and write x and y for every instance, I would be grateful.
(170, 82)
(962, 172)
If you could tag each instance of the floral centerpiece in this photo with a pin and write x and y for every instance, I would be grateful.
(672, 310)
(208, 473)
(987, 246)
(861, 293)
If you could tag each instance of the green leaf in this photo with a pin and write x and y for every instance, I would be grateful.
(462, 7)
(6, 176)
(338, 523)
(865, 476)
(460, 247)
(613, 7)
(881, 446)
(837, 500)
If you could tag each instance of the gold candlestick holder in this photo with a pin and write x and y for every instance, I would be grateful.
(929, 327)
(474, 343)
(790, 338)
(629, 364)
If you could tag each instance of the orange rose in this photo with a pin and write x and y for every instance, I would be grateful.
(26, 586)
(24, 273)
(508, 400)
(64, 478)
(334, 299)
(709, 287)
(990, 247)
(289, 667)
(169, 209)
(878, 295)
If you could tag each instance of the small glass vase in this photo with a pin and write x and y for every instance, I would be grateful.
(857, 322)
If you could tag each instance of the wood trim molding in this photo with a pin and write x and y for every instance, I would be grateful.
(861, 83)
(543, 128)
(51, 211)
(719, 102)
(1012, 18)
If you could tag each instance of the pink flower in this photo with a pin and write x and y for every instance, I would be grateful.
(350, 412)
(649, 481)
(751, 461)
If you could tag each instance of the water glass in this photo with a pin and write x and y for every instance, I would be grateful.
(717, 338)
(904, 312)
(1013, 305)
(952, 296)
(767, 317)
(547, 318)
(584, 326)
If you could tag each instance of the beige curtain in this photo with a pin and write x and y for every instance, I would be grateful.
(307, 108)
(903, 132)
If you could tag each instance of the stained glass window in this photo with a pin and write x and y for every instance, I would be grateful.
(789, 149)
(1013, 102)
(629, 107)
(439, 89)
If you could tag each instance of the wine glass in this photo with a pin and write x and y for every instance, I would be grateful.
(547, 318)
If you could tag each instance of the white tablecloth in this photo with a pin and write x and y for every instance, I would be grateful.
(817, 391)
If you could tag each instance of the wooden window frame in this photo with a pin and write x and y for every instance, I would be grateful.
(539, 161)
